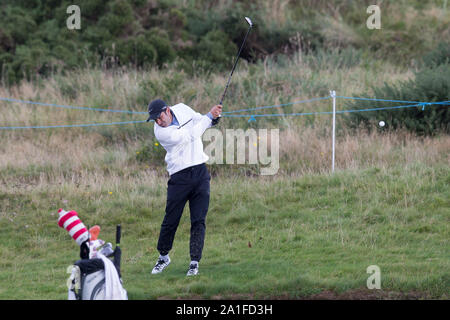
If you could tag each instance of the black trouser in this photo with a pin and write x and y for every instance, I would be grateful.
(190, 184)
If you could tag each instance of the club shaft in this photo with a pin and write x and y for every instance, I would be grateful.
(234, 66)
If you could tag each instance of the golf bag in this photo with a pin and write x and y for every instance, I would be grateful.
(97, 278)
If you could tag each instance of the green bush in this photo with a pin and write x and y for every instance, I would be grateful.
(440, 55)
(202, 35)
(161, 42)
(6, 41)
(216, 49)
(91, 9)
(119, 17)
(151, 154)
(429, 85)
(33, 59)
(199, 24)
(66, 55)
(137, 51)
(18, 22)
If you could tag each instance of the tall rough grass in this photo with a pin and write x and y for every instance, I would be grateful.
(305, 142)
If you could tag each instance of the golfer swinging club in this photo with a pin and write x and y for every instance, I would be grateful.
(179, 130)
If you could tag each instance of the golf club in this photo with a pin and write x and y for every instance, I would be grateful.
(234, 66)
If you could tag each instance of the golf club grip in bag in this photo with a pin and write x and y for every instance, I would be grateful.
(117, 250)
(91, 274)
(118, 234)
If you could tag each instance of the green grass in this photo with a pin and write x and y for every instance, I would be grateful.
(288, 237)
(309, 232)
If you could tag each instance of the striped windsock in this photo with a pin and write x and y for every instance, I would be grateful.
(73, 225)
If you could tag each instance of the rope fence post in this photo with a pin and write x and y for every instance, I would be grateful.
(333, 95)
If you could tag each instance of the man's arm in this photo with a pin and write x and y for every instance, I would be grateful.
(172, 136)
(212, 114)
(197, 116)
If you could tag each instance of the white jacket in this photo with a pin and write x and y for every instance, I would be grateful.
(183, 143)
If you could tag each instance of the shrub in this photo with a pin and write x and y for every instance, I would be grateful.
(205, 33)
(118, 18)
(33, 58)
(199, 24)
(6, 41)
(151, 154)
(66, 55)
(137, 51)
(440, 55)
(429, 85)
(18, 22)
(161, 42)
(216, 50)
(92, 9)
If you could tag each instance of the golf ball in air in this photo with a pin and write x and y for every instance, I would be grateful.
(381, 123)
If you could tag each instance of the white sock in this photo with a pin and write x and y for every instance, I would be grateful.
(165, 258)
(194, 262)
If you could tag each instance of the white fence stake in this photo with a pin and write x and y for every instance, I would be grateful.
(333, 95)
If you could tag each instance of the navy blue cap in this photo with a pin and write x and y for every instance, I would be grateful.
(155, 108)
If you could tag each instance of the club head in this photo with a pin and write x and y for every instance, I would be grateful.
(249, 21)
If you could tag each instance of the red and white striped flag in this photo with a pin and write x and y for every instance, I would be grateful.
(69, 220)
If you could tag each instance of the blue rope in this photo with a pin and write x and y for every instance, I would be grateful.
(331, 112)
(72, 125)
(69, 107)
(317, 99)
(226, 114)
(372, 99)
(278, 105)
